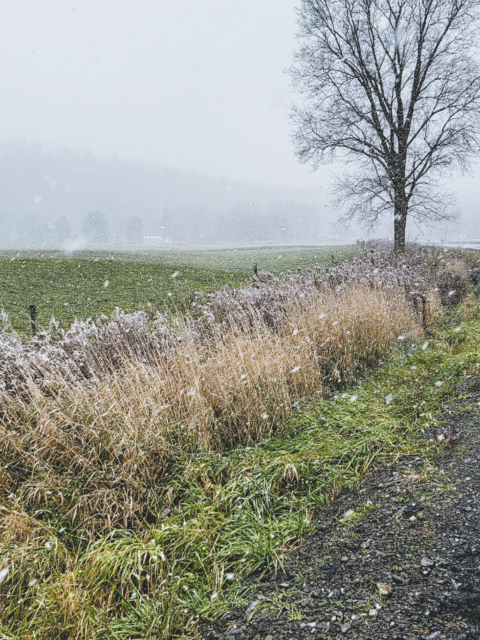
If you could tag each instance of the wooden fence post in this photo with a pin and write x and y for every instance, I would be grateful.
(33, 319)
(423, 310)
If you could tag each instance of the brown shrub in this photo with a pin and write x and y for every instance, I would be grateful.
(452, 287)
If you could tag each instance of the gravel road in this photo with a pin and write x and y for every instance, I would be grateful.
(397, 558)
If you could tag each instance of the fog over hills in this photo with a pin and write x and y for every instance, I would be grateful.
(198, 86)
(48, 196)
(67, 197)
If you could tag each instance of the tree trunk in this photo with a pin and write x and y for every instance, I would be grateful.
(400, 222)
(400, 226)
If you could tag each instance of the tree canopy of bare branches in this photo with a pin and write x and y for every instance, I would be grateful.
(392, 88)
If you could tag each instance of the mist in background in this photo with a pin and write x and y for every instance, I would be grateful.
(72, 198)
(154, 121)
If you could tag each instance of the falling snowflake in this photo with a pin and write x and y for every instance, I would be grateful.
(175, 275)
(424, 346)
(439, 383)
(389, 398)
(295, 370)
(3, 575)
(105, 284)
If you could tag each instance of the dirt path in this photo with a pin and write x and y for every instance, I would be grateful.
(404, 565)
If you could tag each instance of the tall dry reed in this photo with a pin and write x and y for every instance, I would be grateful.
(96, 445)
(94, 419)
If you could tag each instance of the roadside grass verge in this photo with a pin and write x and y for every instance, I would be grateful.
(224, 516)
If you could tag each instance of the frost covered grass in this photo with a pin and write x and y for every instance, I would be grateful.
(73, 287)
(150, 465)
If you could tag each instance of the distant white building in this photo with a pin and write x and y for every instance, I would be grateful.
(155, 239)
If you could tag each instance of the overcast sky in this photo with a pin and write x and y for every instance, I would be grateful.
(193, 84)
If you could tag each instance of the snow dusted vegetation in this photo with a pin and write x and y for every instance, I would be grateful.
(200, 350)
(72, 286)
(103, 425)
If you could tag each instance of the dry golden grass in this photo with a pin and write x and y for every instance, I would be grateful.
(469, 309)
(91, 448)
(96, 423)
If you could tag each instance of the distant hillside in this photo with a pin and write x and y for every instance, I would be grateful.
(46, 194)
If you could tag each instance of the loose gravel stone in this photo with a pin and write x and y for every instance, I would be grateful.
(407, 569)
(384, 589)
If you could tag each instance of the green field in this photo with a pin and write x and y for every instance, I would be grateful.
(91, 283)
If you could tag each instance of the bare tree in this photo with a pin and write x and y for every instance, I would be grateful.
(393, 87)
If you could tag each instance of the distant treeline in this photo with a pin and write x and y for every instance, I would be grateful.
(51, 196)
(283, 222)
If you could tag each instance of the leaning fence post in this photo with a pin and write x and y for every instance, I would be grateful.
(255, 269)
(416, 299)
(424, 311)
(415, 302)
(33, 319)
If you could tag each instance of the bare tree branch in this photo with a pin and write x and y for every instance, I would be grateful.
(393, 87)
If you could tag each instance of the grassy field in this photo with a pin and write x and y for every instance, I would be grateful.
(91, 283)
